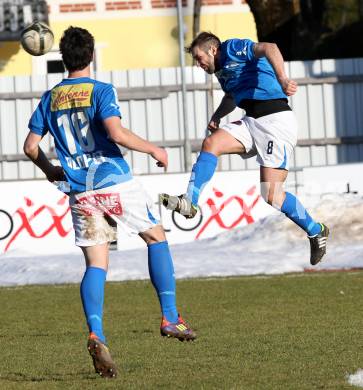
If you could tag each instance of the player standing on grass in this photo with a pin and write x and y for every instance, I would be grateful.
(83, 116)
(253, 78)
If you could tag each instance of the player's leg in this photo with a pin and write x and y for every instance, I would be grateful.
(92, 296)
(138, 214)
(275, 138)
(93, 286)
(272, 191)
(92, 233)
(161, 270)
(162, 276)
(218, 143)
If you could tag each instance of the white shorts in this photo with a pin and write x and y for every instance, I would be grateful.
(97, 213)
(271, 137)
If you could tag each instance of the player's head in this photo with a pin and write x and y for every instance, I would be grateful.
(205, 51)
(77, 47)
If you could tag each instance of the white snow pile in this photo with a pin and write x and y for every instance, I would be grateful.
(356, 379)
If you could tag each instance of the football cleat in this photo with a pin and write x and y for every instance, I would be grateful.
(102, 360)
(179, 330)
(318, 245)
(181, 204)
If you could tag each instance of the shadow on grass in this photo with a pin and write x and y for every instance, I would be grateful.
(51, 377)
(139, 331)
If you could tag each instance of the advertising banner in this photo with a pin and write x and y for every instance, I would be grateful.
(231, 200)
(35, 216)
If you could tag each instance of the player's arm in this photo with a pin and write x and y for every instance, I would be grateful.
(34, 152)
(122, 136)
(274, 56)
(226, 106)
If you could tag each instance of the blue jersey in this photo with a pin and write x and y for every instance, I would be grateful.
(73, 112)
(244, 76)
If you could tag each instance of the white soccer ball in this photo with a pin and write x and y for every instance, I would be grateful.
(37, 39)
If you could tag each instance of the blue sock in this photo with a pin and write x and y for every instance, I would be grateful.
(202, 172)
(161, 272)
(294, 210)
(92, 293)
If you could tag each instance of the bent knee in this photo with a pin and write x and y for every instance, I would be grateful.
(210, 145)
(273, 195)
(268, 198)
(153, 235)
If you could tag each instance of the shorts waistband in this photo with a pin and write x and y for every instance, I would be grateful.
(257, 108)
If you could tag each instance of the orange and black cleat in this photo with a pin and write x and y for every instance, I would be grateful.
(102, 360)
(179, 330)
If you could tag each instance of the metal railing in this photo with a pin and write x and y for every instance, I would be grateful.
(162, 92)
(197, 143)
(330, 118)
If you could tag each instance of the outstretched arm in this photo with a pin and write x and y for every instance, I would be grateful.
(226, 106)
(35, 153)
(125, 137)
(274, 56)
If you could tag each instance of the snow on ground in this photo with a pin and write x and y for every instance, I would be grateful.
(356, 379)
(273, 245)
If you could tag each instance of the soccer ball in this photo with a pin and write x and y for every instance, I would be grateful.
(37, 39)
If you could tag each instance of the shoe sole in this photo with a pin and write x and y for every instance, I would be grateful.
(180, 338)
(102, 360)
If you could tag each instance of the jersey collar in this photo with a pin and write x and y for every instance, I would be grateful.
(75, 80)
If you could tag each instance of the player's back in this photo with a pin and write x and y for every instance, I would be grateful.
(245, 76)
(73, 112)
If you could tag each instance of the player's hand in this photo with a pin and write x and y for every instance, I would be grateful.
(288, 86)
(213, 125)
(161, 156)
(56, 173)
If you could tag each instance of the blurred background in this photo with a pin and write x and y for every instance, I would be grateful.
(134, 34)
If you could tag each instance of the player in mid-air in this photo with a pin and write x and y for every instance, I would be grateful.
(253, 78)
(83, 116)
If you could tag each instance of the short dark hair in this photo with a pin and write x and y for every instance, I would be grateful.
(205, 40)
(77, 47)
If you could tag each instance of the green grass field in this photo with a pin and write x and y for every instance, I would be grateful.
(299, 331)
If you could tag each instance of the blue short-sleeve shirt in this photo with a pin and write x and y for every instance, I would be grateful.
(244, 76)
(73, 113)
